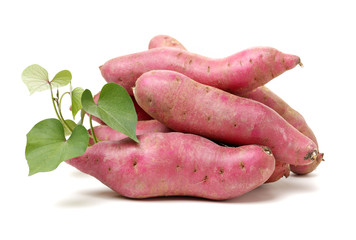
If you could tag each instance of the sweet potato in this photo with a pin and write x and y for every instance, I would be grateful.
(106, 133)
(238, 73)
(164, 41)
(176, 164)
(281, 169)
(185, 105)
(270, 99)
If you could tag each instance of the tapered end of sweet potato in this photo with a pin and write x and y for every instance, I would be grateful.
(290, 61)
(305, 169)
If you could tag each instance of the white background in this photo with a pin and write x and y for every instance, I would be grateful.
(81, 35)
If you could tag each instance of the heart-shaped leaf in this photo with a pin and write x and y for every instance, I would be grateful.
(114, 107)
(36, 78)
(61, 79)
(47, 146)
(76, 100)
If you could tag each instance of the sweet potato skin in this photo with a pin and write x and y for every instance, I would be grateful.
(106, 133)
(270, 99)
(164, 41)
(185, 105)
(238, 73)
(176, 164)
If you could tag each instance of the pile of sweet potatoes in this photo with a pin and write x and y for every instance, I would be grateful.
(206, 127)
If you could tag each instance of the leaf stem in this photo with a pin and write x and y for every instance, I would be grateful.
(60, 111)
(53, 102)
(92, 129)
(60, 100)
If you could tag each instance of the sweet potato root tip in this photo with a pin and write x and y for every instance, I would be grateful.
(311, 155)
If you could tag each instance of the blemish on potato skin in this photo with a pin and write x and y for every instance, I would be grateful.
(190, 61)
(109, 169)
(195, 170)
(208, 69)
(205, 178)
(149, 100)
(267, 150)
(221, 171)
(242, 166)
(179, 54)
(251, 61)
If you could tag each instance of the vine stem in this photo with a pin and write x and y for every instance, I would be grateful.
(60, 111)
(92, 129)
(53, 101)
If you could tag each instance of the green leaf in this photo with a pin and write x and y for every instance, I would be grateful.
(115, 108)
(47, 146)
(36, 78)
(76, 100)
(71, 124)
(61, 79)
(88, 103)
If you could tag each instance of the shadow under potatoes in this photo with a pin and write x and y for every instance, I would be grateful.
(284, 187)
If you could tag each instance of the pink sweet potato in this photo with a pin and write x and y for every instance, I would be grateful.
(238, 73)
(185, 105)
(281, 169)
(176, 164)
(164, 41)
(106, 133)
